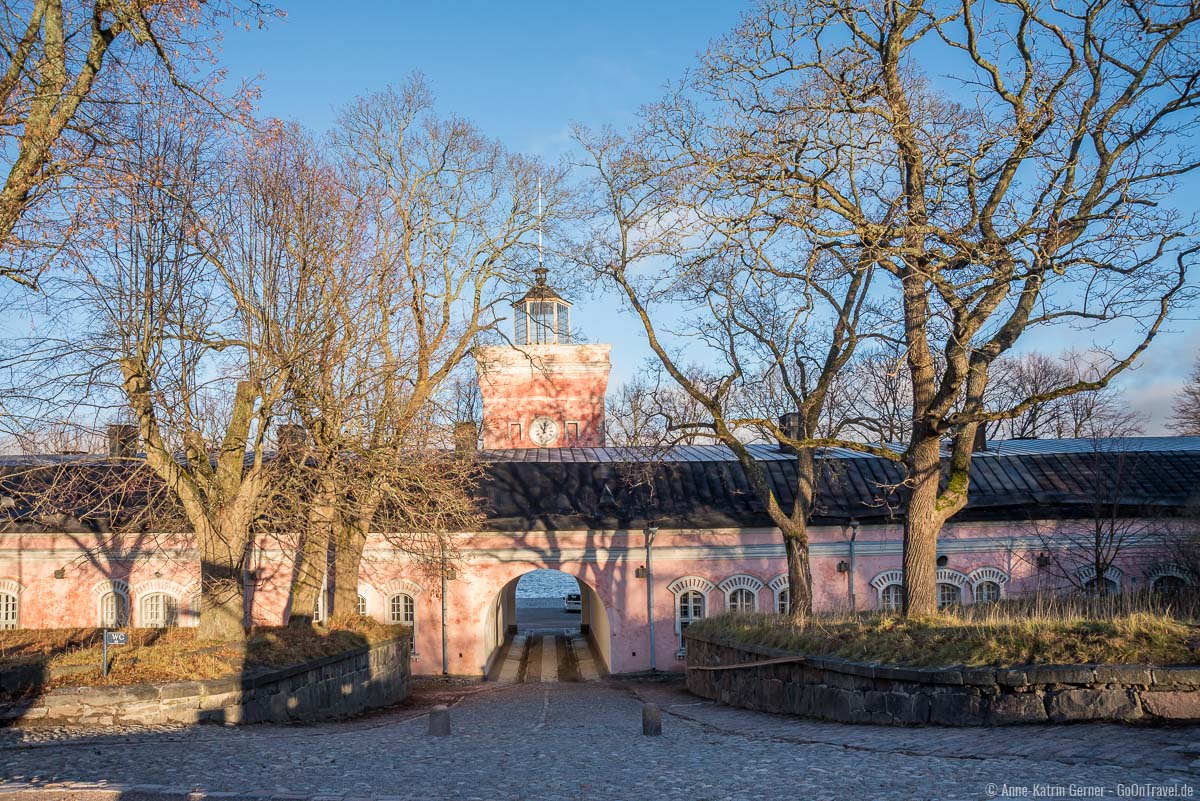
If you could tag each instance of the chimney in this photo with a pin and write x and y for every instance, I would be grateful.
(980, 444)
(290, 438)
(790, 425)
(466, 436)
(122, 440)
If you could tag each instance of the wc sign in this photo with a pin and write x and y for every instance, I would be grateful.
(112, 638)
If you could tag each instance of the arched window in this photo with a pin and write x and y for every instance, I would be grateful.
(114, 610)
(158, 611)
(987, 592)
(783, 599)
(741, 600)
(8, 610)
(1106, 586)
(401, 609)
(691, 604)
(1168, 585)
(891, 598)
(948, 595)
(691, 609)
(361, 608)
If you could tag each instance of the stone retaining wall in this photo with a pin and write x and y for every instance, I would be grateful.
(330, 687)
(854, 692)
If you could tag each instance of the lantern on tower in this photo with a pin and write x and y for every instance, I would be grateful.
(542, 317)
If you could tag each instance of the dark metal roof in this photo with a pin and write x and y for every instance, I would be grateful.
(704, 485)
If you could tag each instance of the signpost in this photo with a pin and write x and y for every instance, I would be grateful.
(112, 638)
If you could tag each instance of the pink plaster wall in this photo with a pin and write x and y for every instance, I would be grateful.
(605, 560)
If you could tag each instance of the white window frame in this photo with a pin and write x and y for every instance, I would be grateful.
(958, 595)
(1112, 573)
(678, 588)
(10, 604)
(883, 580)
(360, 605)
(980, 575)
(978, 586)
(896, 605)
(120, 592)
(414, 591)
(170, 610)
(780, 593)
(741, 581)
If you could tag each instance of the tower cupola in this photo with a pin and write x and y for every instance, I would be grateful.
(542, 316)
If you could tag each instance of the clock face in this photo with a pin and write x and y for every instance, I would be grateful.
(544, 432)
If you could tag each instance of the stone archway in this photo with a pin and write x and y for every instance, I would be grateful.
(508, 647)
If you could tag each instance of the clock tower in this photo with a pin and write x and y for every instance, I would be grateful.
(543, 391)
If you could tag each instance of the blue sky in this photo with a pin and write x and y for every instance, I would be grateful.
(524, 71)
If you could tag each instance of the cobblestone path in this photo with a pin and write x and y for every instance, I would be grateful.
(546, 658)
(582, 741)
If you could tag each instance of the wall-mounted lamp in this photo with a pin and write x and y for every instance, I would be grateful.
(843, 566)
(61, 573)
(1043, 560)
(158, 574)
(640, 572)
(943, 560)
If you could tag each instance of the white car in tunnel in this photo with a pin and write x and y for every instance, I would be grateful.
(572, 602)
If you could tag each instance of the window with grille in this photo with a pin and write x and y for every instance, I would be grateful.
(948, 595)
(691, 609)
(114, 611)
(158, 611)
(319, 610)
(892, 598)
(987, 592)
(8, 610)
(782, 599)
(362, 606)
(522, 322)
(1106, 587)
(541, 318)
(564, 324)
(1168, 585)
(401, 609)
(741, 600)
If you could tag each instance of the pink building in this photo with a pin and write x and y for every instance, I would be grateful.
(654, 544)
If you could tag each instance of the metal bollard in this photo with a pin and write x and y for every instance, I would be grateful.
(651, 720)
(439, 721)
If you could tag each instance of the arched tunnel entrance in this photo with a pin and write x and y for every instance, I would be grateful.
(547, 626)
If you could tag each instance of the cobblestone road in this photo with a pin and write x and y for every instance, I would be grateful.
(582, 741)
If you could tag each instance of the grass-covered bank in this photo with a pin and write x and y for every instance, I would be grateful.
(73, 656)
(1119, 630)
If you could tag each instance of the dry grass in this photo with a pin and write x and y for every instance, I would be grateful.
(158, 655)
(1121, 630)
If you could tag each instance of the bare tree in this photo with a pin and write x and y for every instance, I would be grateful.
(70, 70)
(1037, 203)
(651, 410)
(1083, 550)
(1185, 419)
(446, 215)
(702, 246)
(1096, 413)
(164, 317)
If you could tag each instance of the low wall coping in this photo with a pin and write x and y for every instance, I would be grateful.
(257, 676)
(959, 675)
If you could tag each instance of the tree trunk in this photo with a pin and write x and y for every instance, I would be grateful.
(799, 575)
(312, 563)
(922, 525)
(222, 583)
(350, 537)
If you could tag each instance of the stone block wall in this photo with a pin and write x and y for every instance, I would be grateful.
(853, 692)
(331, 687)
